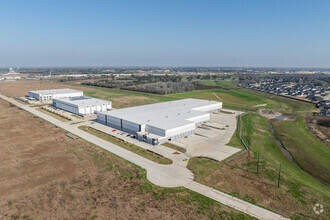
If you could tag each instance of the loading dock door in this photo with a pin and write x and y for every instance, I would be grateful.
(88, 110)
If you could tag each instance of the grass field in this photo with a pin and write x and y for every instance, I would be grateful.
(208, 82)
(257, 134)
(222, 83)
(235, 98)
(298, 191)
(247, 99)
(310, 153)
(232, 99)
(123, 98)
(131, 147)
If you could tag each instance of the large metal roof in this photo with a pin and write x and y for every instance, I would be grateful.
(84, 101)
(165, 115)
(55, 91)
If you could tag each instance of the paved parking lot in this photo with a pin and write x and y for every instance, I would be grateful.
(211, 140)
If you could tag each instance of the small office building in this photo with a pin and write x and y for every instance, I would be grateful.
(47, 95)
(82, 105)
(161, 122)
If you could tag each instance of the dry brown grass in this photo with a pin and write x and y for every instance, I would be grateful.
(22, 87)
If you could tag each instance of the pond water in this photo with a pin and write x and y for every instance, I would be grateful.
(281, 117)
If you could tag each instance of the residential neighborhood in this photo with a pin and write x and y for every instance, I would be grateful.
(316, 94)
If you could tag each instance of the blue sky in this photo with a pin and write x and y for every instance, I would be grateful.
(265, 33)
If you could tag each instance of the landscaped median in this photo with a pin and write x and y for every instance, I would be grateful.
(128, 146)
(175, 147)
(54, 114)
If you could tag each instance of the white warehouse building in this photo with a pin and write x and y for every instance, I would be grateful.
(47, 95)
(161, 122)
(82, 105)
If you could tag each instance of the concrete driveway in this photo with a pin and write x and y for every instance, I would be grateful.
(211, 140)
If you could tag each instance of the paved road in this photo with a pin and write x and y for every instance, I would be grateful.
(162, 175)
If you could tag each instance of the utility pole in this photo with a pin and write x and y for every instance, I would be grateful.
(279, 176)
(258, 165)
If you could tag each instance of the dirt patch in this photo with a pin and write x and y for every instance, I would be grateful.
(22, 87)
(47, 175)
(319, 126)
(268, 113)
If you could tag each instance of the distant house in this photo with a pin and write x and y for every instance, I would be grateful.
(325, 112)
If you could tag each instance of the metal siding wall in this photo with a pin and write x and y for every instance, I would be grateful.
(66, 107)
(210, 108)
(200, 119)
(155, 130)
(33, 95)
(101, 118)
(130, 126)
(113, 122)
(180, 130)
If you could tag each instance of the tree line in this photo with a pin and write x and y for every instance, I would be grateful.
(158, 84)
(163, 88)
